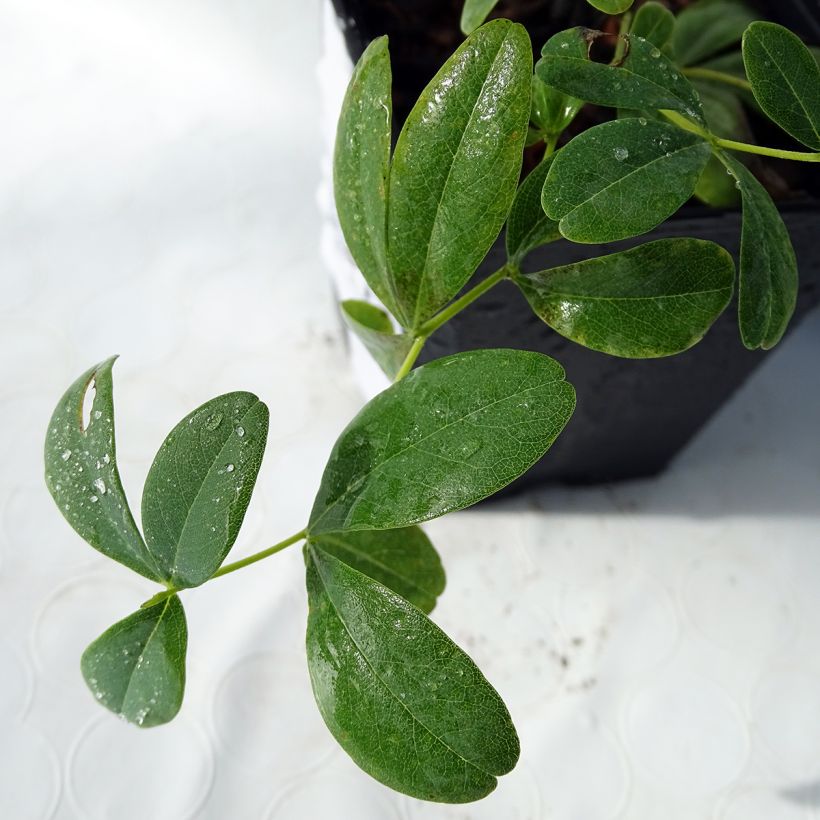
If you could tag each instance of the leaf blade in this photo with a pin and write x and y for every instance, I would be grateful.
(654, 22)
(200, 484)
(768, 280)
(360, 662)
(622, 178)
(474, 13)
(653, 300)
(361, 167)
(83, 477)
(403, 560)
(643, 79)
(528, 226)
(456, 167)
(374, 329)
(449, 434)
(136, 668)
(785, 80)
(707, 28)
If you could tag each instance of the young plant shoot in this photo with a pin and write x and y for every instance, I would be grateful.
(403, 700)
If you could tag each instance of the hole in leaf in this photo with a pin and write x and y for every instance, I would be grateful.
(603, 46)
(88, 405)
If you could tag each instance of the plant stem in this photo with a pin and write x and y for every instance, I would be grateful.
(688, 125)
(228, 568)
(432, 325)
(410, 359)
(467, 299)
(551, 142)
(718, 77)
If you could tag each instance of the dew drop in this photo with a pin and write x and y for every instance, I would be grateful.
(240, 431)
(65, 455)
(213, 421)
(229, 468)
(621, 154)
(655, 53)
(94, 499)
(100, 485)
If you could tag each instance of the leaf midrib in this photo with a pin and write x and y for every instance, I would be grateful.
(182, 531)
(398, 453)
(625, 177)
(379, 677)
(425, 273)
(142, 653)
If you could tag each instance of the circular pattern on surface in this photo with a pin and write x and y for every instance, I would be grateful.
(16, 685)
(262, 703)
(29, 775)
(582, 771)
(329, 794)
(118, 771)
(687, 733)
(736, 603)
(786, 711)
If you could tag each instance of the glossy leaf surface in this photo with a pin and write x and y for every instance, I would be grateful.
(449, 434)
(136, 668)
(409, 706)
(361, 165)
(552, 110)
(653, 300)
(474, 13)
(767, 285)
(200, 484)
(611, 6)
(456, 167)
(708, 27)
(528, 226)
(643, 79)
(403, 560)
(654, 22)
(375, 330)
(622, 178)
(82, 474)
(785, 80)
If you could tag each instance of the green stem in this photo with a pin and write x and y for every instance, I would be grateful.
(467, 299)
(551, 141)
(688, 125)
(718, 77)
(228, 568)
(432, 325)
(410, 359)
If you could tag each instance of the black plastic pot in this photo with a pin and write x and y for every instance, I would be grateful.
(632, 416)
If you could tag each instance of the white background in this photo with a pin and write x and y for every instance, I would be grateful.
(658, 643)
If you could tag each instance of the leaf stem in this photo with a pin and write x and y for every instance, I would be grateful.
(719, 142)
(228, 568)
(717, 76)
(432, 325)
(410, 359)
(551, 141)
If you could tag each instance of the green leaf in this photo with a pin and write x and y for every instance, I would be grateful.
(82, 474)
(528, 226)
(361, 164)
(654, 300)
(715, 187)
(200, 484)
(611, 6)
(402, 560)
(708, 27)
(475, 13)
(449, 434)
(785, 80)
(622, 178)
(654, 22)
(552, 110)
(409, 706)
(375, 330)
(767, 285)
(136, 668)
(725, 116)
(456, 167)
(643, 79)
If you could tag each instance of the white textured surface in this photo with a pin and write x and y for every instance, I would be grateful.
(657, 643)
